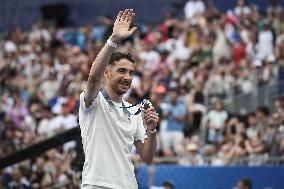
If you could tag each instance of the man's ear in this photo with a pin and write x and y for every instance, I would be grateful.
(106, 72)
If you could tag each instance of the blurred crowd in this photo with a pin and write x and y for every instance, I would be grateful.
(187, 67)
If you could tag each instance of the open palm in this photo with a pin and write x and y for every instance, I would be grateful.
(122, 23)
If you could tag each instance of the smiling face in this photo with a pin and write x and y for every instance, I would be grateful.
(119, 76)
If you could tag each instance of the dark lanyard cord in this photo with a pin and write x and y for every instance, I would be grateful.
(125, 109)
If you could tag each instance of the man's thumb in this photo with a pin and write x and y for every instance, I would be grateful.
(133, 29)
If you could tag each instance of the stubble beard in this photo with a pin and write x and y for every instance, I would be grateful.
(116, 90)
(114, 87)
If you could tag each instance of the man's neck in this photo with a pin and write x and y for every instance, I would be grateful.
(113, 95)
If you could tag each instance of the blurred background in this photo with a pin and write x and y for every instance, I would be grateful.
(214, 70)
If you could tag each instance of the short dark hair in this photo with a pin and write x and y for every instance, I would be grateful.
(263, 109)
(247, 183)
(116, 56)
(251, 114)
(169, 184)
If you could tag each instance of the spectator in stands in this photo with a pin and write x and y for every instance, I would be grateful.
(19, 111)
(45, 124)
(175, 115)
(279, 103)
(244, 184)
(222, 46)
(49, 89)
(192, 157)
(270, 72)
(18, 180)
(10, 141)
(274, 8)
(238, 49)
(253, 129)
(150, 57)
(215, 120)
(76, 59)
(176, 45)
(237, 151)
(262, 114)
(257, 149)
(166, 185)
(265, 45)
(40, 177)
(219, 84)
(273, 134)
(65, 120)
(196, 108)
(193, 9)
(242, 9)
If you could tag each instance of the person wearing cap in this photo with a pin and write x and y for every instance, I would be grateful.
(109, 125)
(192, 156)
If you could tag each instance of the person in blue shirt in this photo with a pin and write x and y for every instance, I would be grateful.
(172, 135)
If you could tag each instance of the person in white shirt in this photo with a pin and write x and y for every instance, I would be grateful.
(109, 125)
(265, 45)
(49, 89)
(64, 121)
(150, 56)
(242, 9)
(193, 9)
(45, 123)
(176, 46)
(216, 122)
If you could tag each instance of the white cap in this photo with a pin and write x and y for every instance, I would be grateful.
(10, 47)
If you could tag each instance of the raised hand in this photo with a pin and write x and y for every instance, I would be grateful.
(121, 27)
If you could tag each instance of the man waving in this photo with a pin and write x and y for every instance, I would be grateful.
(109, 125)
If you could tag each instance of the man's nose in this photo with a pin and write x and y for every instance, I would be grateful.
(127, 76)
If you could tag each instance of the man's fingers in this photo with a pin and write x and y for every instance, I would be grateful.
(149, 110)
(149, 113)
(124, 14)
(129, 14)
(152, 116)
(119, 15)
(150, 120)
(131, 17)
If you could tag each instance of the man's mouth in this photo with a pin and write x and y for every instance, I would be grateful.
(124, 84)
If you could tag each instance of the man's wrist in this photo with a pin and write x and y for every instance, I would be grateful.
(111, 43)
(151, 131)
(114, 39)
